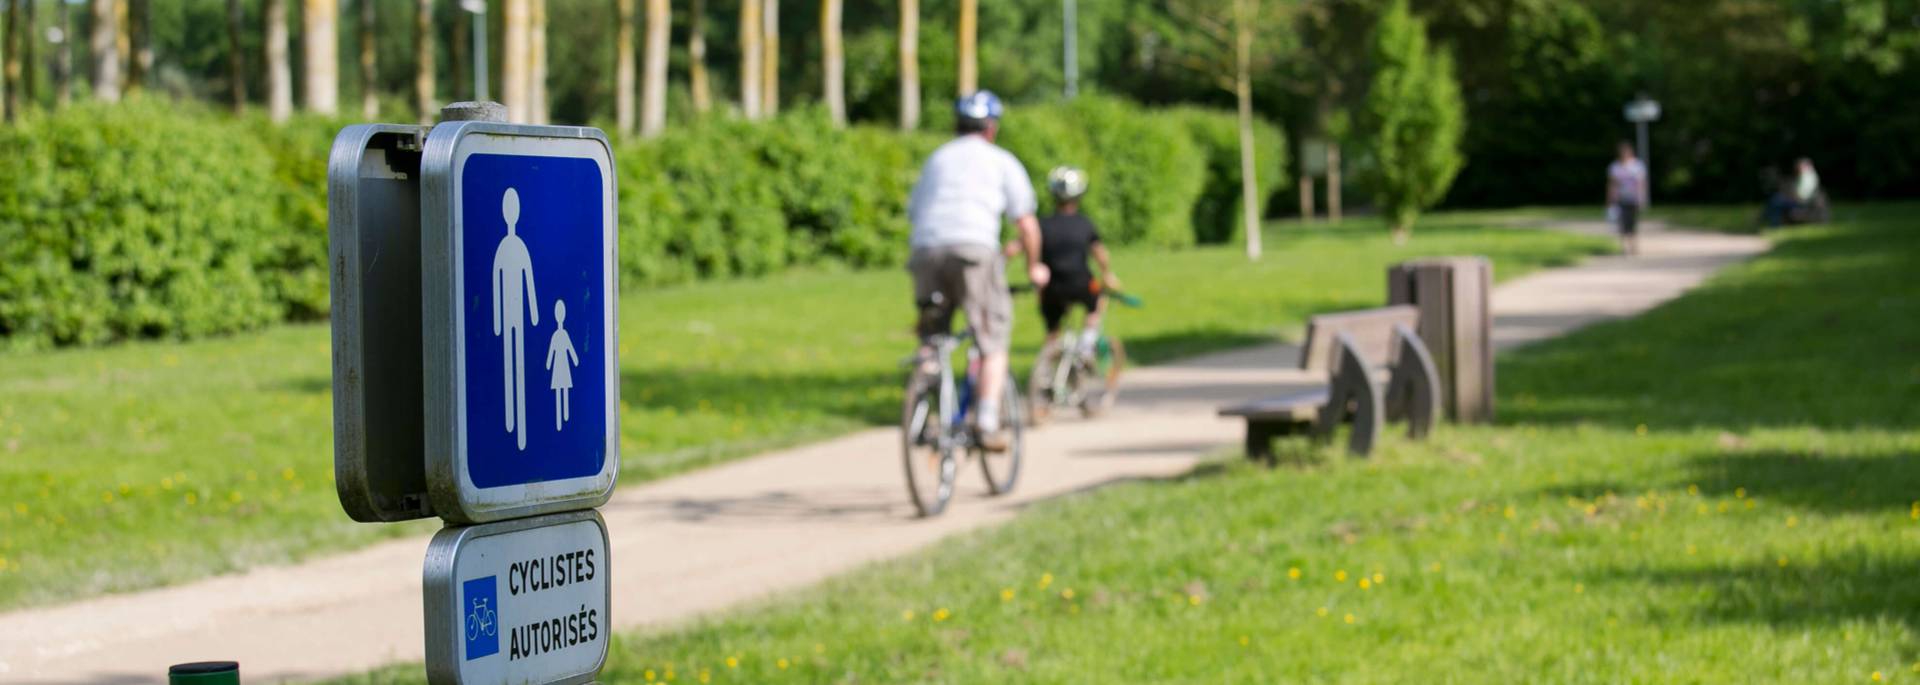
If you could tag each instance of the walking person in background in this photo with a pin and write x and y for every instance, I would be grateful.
(1626, 196)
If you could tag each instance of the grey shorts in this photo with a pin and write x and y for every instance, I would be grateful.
(971, 278)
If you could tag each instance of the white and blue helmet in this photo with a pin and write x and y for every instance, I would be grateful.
(980, 105)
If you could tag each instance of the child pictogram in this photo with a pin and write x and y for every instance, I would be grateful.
(561, 359)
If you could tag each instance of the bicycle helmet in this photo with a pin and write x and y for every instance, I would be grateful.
(979, 105)
(1067, 183)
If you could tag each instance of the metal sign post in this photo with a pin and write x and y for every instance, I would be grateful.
(475, 377)
(1643, 111)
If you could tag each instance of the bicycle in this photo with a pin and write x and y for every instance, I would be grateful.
(935, 432)
(1071, 373)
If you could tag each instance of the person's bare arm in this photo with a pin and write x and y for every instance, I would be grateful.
(1030, 243)
(1103, 260)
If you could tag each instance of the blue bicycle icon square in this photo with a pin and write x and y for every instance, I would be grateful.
(480, 605)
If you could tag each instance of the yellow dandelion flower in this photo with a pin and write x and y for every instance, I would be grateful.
(1366, 584)
(1700, 509)
(1379, 577)
(1293, 573)
(1195, 600)
(1435, 567)
(1793, 521)
(1783, 561)
(819, 648)
(20, 508)
(648, 675)
(1340, 576)
(287, 473)
(706, 676)
(906, 615)
(782, 663)
(1244, 641)
(1750, 506)
(1073, 609)
(106, 498)
(1006, 594)
(1693, 489)
(3, 563)
(1046, 579)
(235, 497)
(1691, 549)
(941, 614)
(1640, 430)
(733, 662)
(1579, 588)
(1321, 612)
(1914, 513)
(1740, 493)
(1509, 512)
(1066, 594)
(1876, 676)
(1349, 619)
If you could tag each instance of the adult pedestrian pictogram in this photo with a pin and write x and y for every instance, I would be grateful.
(514, 300)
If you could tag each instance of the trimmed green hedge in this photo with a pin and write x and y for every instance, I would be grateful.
(164, 219)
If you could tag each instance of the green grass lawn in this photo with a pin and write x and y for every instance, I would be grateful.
(145, 464)
(1724, 490)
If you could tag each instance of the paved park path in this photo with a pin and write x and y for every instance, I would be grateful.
(717, 538)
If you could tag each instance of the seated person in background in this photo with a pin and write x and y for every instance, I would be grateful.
(1802, 193)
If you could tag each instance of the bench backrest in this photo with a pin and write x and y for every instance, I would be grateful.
(1370, 329)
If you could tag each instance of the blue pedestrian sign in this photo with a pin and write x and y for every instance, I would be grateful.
(518, 294)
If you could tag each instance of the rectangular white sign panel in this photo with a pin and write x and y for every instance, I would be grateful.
(522, 601)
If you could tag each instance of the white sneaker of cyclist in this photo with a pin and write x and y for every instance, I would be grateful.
(988, 421)
(1088, 338)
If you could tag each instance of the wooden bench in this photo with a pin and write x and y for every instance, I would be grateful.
(1377, 369)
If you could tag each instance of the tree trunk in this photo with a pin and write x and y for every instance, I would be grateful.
(770, 58)
(623, 67)
(11, 59)
(1306, 195)
(140, 31)
(537, 64)
(423, 85)
(457, 51)
(697, 57)
(1333, 181)
(236, 61)
(29, 86)
(653, 77)
(1243, 91)
(515, 60)
(833, 78)
(909, 64)
(279, 68)
(969, 80)
(104, 52)
(369, 74)
(750, 58)
(123, 45)
(63, 58)
(320, 48)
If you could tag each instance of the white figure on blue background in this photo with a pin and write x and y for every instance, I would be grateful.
(513, 301)
(560, 360)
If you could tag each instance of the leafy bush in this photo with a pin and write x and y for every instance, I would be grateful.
(134, 220)
(1216, 216)
(1147, 172)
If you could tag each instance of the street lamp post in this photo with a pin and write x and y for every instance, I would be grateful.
(1070, 53)
(478, 8)
(1642, 111)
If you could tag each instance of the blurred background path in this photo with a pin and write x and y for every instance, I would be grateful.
(717, 538)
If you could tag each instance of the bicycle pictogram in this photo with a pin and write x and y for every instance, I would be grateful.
(480, 619)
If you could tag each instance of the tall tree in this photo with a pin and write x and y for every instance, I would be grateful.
(770, 56)
(423, 86)
(653, 94)
(369, 74)
(969, 58)
(833, 63)
(103, 52)
(909, 64)
(537, 112)
(320, 52)
(623, 67)
(1415, 119)
(279, 67)
(697, 57)
(63, 57)
(515, 60)
(29, 81)
(11, 80)
(140, 33)
(750, 58)
(236, 63)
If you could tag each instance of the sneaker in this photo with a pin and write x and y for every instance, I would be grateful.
(993, 441)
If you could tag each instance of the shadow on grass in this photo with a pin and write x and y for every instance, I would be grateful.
(1838, 484)
(846, 395)
(1818, 333)
(1850, 585)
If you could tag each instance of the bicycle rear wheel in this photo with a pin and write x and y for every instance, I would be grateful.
(1002, 469)
(929, 462)
(1100, 379)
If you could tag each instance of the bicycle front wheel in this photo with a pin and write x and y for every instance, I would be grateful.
(1040, 390)
(1002, 469)
(929, 460)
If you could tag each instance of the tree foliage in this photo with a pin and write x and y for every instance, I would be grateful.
(1414, 119)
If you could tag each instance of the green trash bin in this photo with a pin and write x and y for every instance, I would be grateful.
(204, 673)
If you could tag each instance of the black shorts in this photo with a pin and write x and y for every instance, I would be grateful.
(1059, 297)
(1629, 223)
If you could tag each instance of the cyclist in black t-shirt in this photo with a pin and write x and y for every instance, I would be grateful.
(1067, 240)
